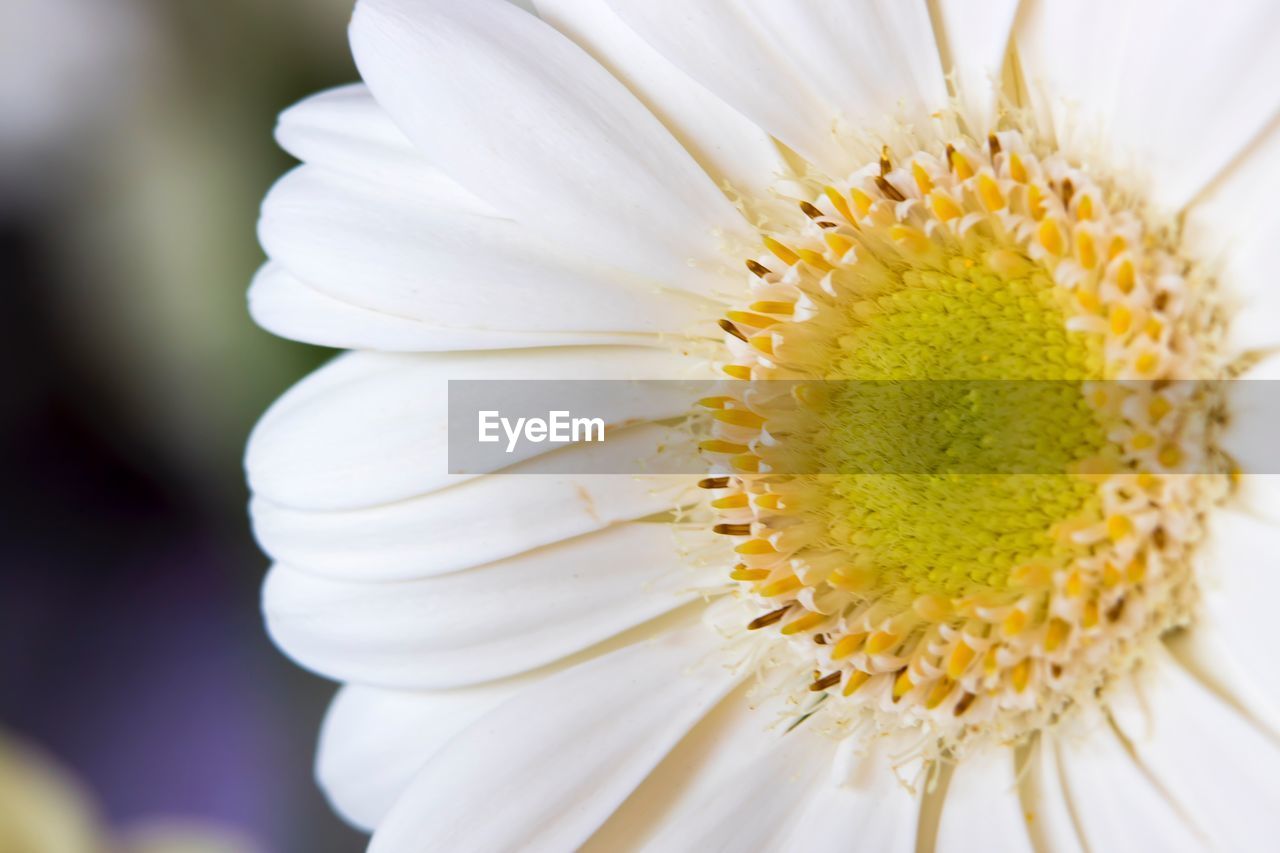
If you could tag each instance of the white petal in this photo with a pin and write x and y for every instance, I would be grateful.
(1232, 229)
(553, 763)
(476, 522)
(285, 306)
(372, 428)
(1239, 573)
(982, 809)
(421, 257)
(976, 37)
(484, 623)
(524, 118)
(1041, 787)
(1173, 90)
(1220, 769)
(875, 808)
(798, 69)
(1118, 807)
(373, 741)
(344, 130)
(728, 146)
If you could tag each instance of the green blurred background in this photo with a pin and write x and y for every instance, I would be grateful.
(135, 146)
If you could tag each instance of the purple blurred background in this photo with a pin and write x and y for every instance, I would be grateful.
(135, 149)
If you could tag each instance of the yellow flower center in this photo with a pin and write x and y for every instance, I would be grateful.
(969, 502)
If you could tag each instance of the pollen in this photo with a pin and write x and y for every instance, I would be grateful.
(932, 548)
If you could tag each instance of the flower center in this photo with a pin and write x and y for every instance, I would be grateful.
(969, 503)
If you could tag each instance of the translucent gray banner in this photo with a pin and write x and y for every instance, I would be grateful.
(524, 427)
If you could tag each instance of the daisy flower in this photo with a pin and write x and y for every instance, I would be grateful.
(842, 190)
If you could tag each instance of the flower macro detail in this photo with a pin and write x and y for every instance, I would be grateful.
(972, 551)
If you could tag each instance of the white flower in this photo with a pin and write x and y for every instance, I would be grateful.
(1033, 190)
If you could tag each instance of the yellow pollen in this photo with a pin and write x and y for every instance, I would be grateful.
(960, 164)
(1050, 237)
(1014, 623)
(856, 679)
(1086, 253)
(737, 371)
(815, 260)
(716, 445)
(1118, 527)
(749, 575)
(944, 207)
(838, 244)
(840, 203)
(922, 179)
(1021, 675)
(989, 191)
(847, 645)
(1084, 209)
(1121, 319)
(938, 693)
(804, 623)
(1125, 278)
(781, 252)
(1017, 170)
(737, 501)
(1055, 634)
(764, 343)
(748, 318)
(961, 656)
(785, 308)
(862, 201)
(881, 641)
(902, 685)
(790, 583)
(755, 547)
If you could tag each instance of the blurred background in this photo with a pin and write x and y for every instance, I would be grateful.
(135, 146)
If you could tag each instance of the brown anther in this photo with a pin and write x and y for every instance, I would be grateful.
(951, 156)
(1056, 670)
(820, 639)
(1068, 190)
(759, 269)
(769, 618)
(1115, 611)
(829, 680)
(889, 190)
(810, 211)
(714, 483)
(993, 143)
(885, 165)
(732, 529)
(1161, 300)
(963, 705)
(733, 330)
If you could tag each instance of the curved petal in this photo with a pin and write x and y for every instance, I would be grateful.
(1219, 768)
(1171, 90)
(561, 756)
(373, 741)
(725, 143)
(422, 258)
(982, 808)
(1042, 789)
(558, 143)
(372, 428)
(283, 305)
(344, 130)
(1232, 228)
(1117, 805)
(1240, 583)
(484, 623)
(805, 72)
(470, 524)
(974, 38)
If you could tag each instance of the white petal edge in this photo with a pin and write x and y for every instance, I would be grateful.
(559, 758)
(371, 428)
(1217, 766)
(1116, 805)
(485, 623)
(730, 148)
(422, 257)
(804, 72)
(283, 305)
(524, 118)
(976, 38)
(476, 522)
(1169, 91)
(373, 740)
(982, 808)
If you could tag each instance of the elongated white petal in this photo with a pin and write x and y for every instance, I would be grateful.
(983, 809)
(374, 740)
(484, 623)
(1041, 787)
(975, 37)
(1219, 768)
(725, 143)
(806, 72)
(345, 131)
(1117, 805)
(1239, 573)
(372, 428)
(556, 760)
(423, 258)
(476, 522)
(560, 145)
(284, 305)
(1172, 90)
(1232, 230)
